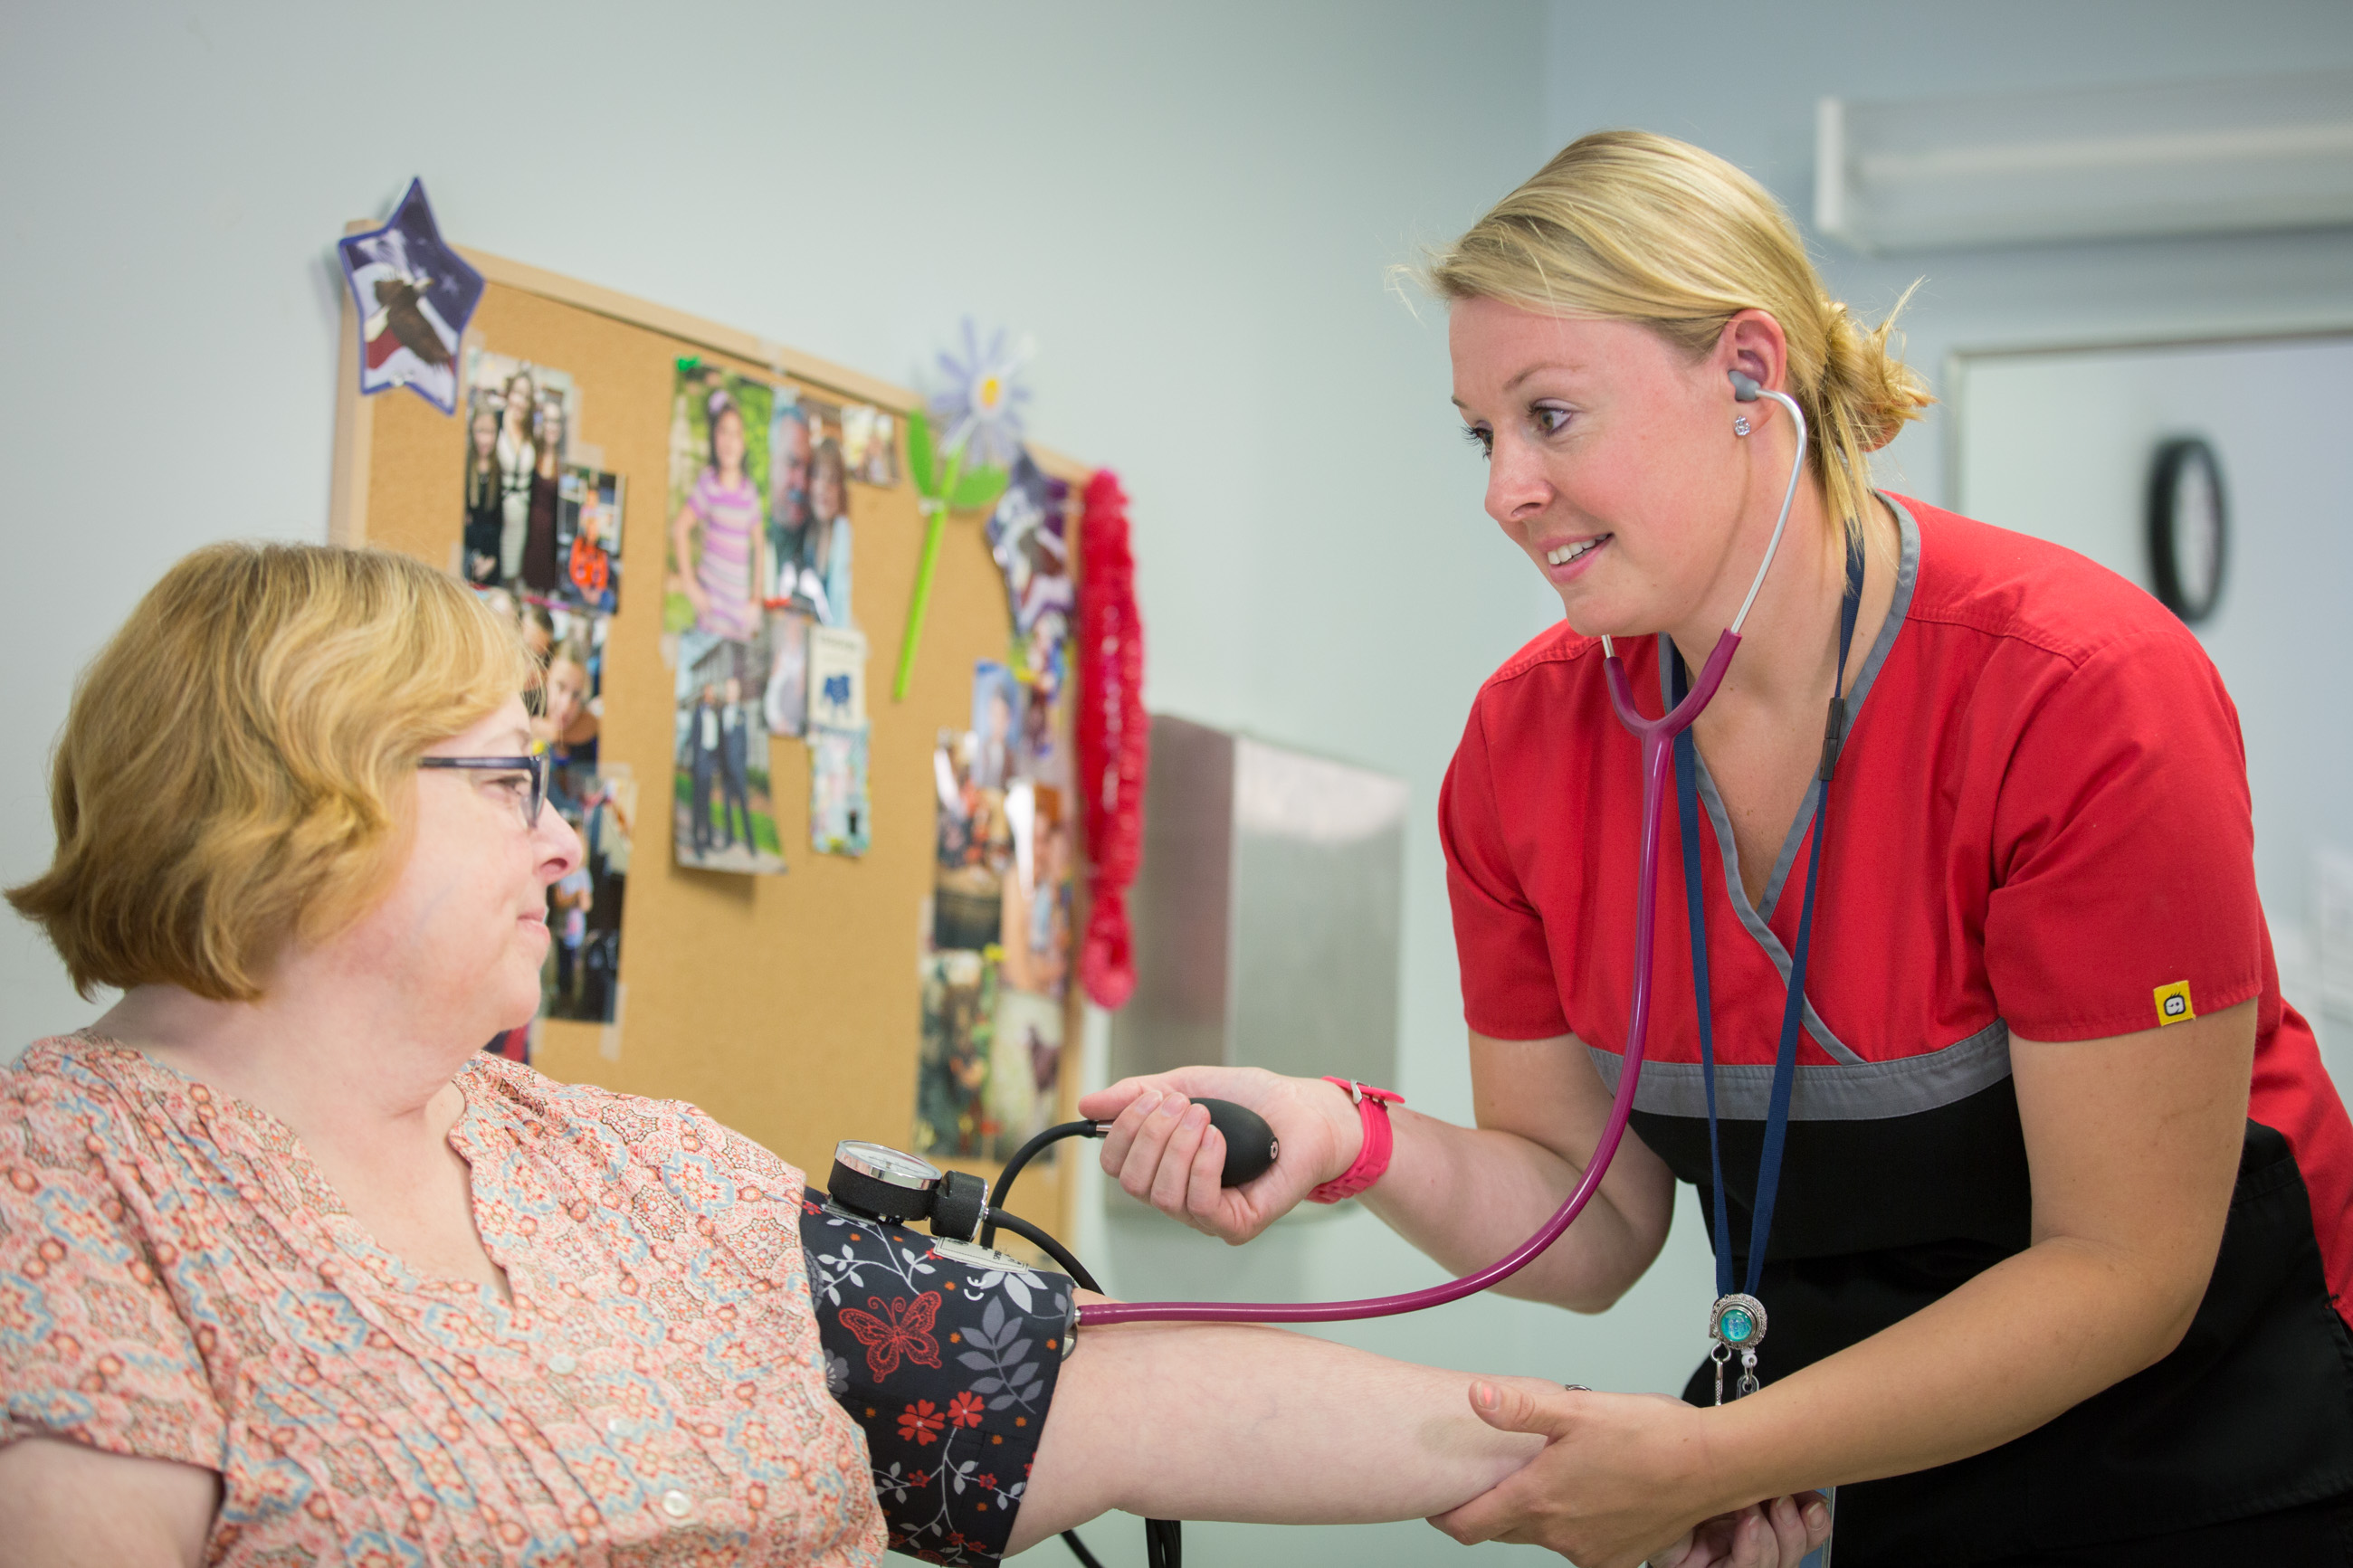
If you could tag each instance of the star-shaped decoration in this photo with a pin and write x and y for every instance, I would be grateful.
(414, 295)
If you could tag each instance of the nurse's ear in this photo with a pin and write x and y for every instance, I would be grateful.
(1752, 344)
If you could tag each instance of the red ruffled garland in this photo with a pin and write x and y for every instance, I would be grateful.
(1113, 737)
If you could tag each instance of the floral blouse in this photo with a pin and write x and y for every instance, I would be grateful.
(178, 1280)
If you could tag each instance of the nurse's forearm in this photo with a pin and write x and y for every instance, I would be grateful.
(1262, 1425)
(2133, 1143)
(1468, 1195)
(2028, 1339)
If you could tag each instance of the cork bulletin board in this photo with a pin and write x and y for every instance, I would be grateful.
(788, 1006)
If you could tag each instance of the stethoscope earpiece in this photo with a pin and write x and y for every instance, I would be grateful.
(1745, 388)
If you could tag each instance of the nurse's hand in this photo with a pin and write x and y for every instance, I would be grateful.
(1622, 1480)
(1162, 1149)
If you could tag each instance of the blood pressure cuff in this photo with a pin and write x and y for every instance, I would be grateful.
(947, 1355)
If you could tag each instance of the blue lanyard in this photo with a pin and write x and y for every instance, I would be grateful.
(1785, 1062)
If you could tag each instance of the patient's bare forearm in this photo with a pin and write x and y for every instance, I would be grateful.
(1259, 1425)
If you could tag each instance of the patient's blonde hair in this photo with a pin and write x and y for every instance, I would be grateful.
(237, 770)
(1632, 226)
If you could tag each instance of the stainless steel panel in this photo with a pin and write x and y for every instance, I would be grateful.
(1267, 911)
(1318, 890)
(1180, 906)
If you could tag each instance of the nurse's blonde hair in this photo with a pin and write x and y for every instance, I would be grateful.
(239, 767)
(1632, 226)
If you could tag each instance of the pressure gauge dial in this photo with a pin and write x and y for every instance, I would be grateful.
(881, 1182)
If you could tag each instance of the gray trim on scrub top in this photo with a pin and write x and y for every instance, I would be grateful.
(1854, 1089)
(1865, 1092)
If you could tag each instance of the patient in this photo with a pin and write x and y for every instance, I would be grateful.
(290, 1271)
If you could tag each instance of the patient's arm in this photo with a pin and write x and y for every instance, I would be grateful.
(67, 1505)
(1255, 1424)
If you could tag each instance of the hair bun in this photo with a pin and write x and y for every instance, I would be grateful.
(1864, 381)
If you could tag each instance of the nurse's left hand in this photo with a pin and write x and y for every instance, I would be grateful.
(1621, 1480)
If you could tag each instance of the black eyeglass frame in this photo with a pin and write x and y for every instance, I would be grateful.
(536, 764)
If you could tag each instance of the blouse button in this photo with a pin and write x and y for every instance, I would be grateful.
(613, 1425)
(676, 1503)
(561, 1365)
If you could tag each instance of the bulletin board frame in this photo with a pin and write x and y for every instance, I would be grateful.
(788, 1006)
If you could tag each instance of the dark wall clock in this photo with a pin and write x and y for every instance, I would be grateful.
(2188, 527)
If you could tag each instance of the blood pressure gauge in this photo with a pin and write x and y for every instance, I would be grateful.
(886, 1183)
(882, 1183)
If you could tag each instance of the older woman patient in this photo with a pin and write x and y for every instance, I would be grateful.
(290, 1271)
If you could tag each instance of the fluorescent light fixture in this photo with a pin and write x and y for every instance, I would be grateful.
(2229, 155)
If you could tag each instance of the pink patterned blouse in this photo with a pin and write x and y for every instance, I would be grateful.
(178, 1280)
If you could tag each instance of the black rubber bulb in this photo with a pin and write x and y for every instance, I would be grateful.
(1250, 1146)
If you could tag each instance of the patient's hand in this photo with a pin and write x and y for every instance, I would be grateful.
(1621, 1479)
(1774, 1534)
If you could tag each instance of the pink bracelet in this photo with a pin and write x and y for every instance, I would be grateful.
(1372, 1158)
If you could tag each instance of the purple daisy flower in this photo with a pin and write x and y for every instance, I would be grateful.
(980, 410)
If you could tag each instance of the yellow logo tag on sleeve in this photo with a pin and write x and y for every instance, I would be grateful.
(2173, 1003)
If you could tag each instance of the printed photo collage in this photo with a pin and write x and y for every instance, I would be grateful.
(997, 956)
(541, 544)
(758, 593)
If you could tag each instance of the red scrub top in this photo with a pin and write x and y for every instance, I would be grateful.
(2039, 823)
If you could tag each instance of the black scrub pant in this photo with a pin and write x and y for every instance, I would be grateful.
(2315, 1535)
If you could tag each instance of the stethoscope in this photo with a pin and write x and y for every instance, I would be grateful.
(886, 1183)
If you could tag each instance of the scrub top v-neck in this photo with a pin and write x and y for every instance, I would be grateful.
(2041, 824)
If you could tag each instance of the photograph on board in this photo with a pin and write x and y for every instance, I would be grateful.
(809, 550)
(582, 977)
(717, 546)
(995, 722)
(414, 295)
(1027, 534)
(791, 441)
(973, 849)
(519, 422)
(572, 713)
(1043, 750)
(825, 558)
(588, 539)
(959, 1004)
(1025, 1064)
(567, 709)
(723, 816)
(1035, 935)
(869, 444)
(786, 699)
(837, 678)
(840, 816)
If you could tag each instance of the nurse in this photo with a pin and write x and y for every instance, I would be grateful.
(2049, 1242)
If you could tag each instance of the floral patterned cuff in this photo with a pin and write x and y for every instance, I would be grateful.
(946, 1354)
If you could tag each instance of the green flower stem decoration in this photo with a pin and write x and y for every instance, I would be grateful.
(941, 491)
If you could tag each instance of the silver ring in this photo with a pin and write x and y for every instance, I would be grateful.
(1576, 1388)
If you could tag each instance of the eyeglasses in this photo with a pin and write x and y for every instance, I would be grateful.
(534, 766)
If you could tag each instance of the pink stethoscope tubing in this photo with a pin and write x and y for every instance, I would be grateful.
(1658, 741)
